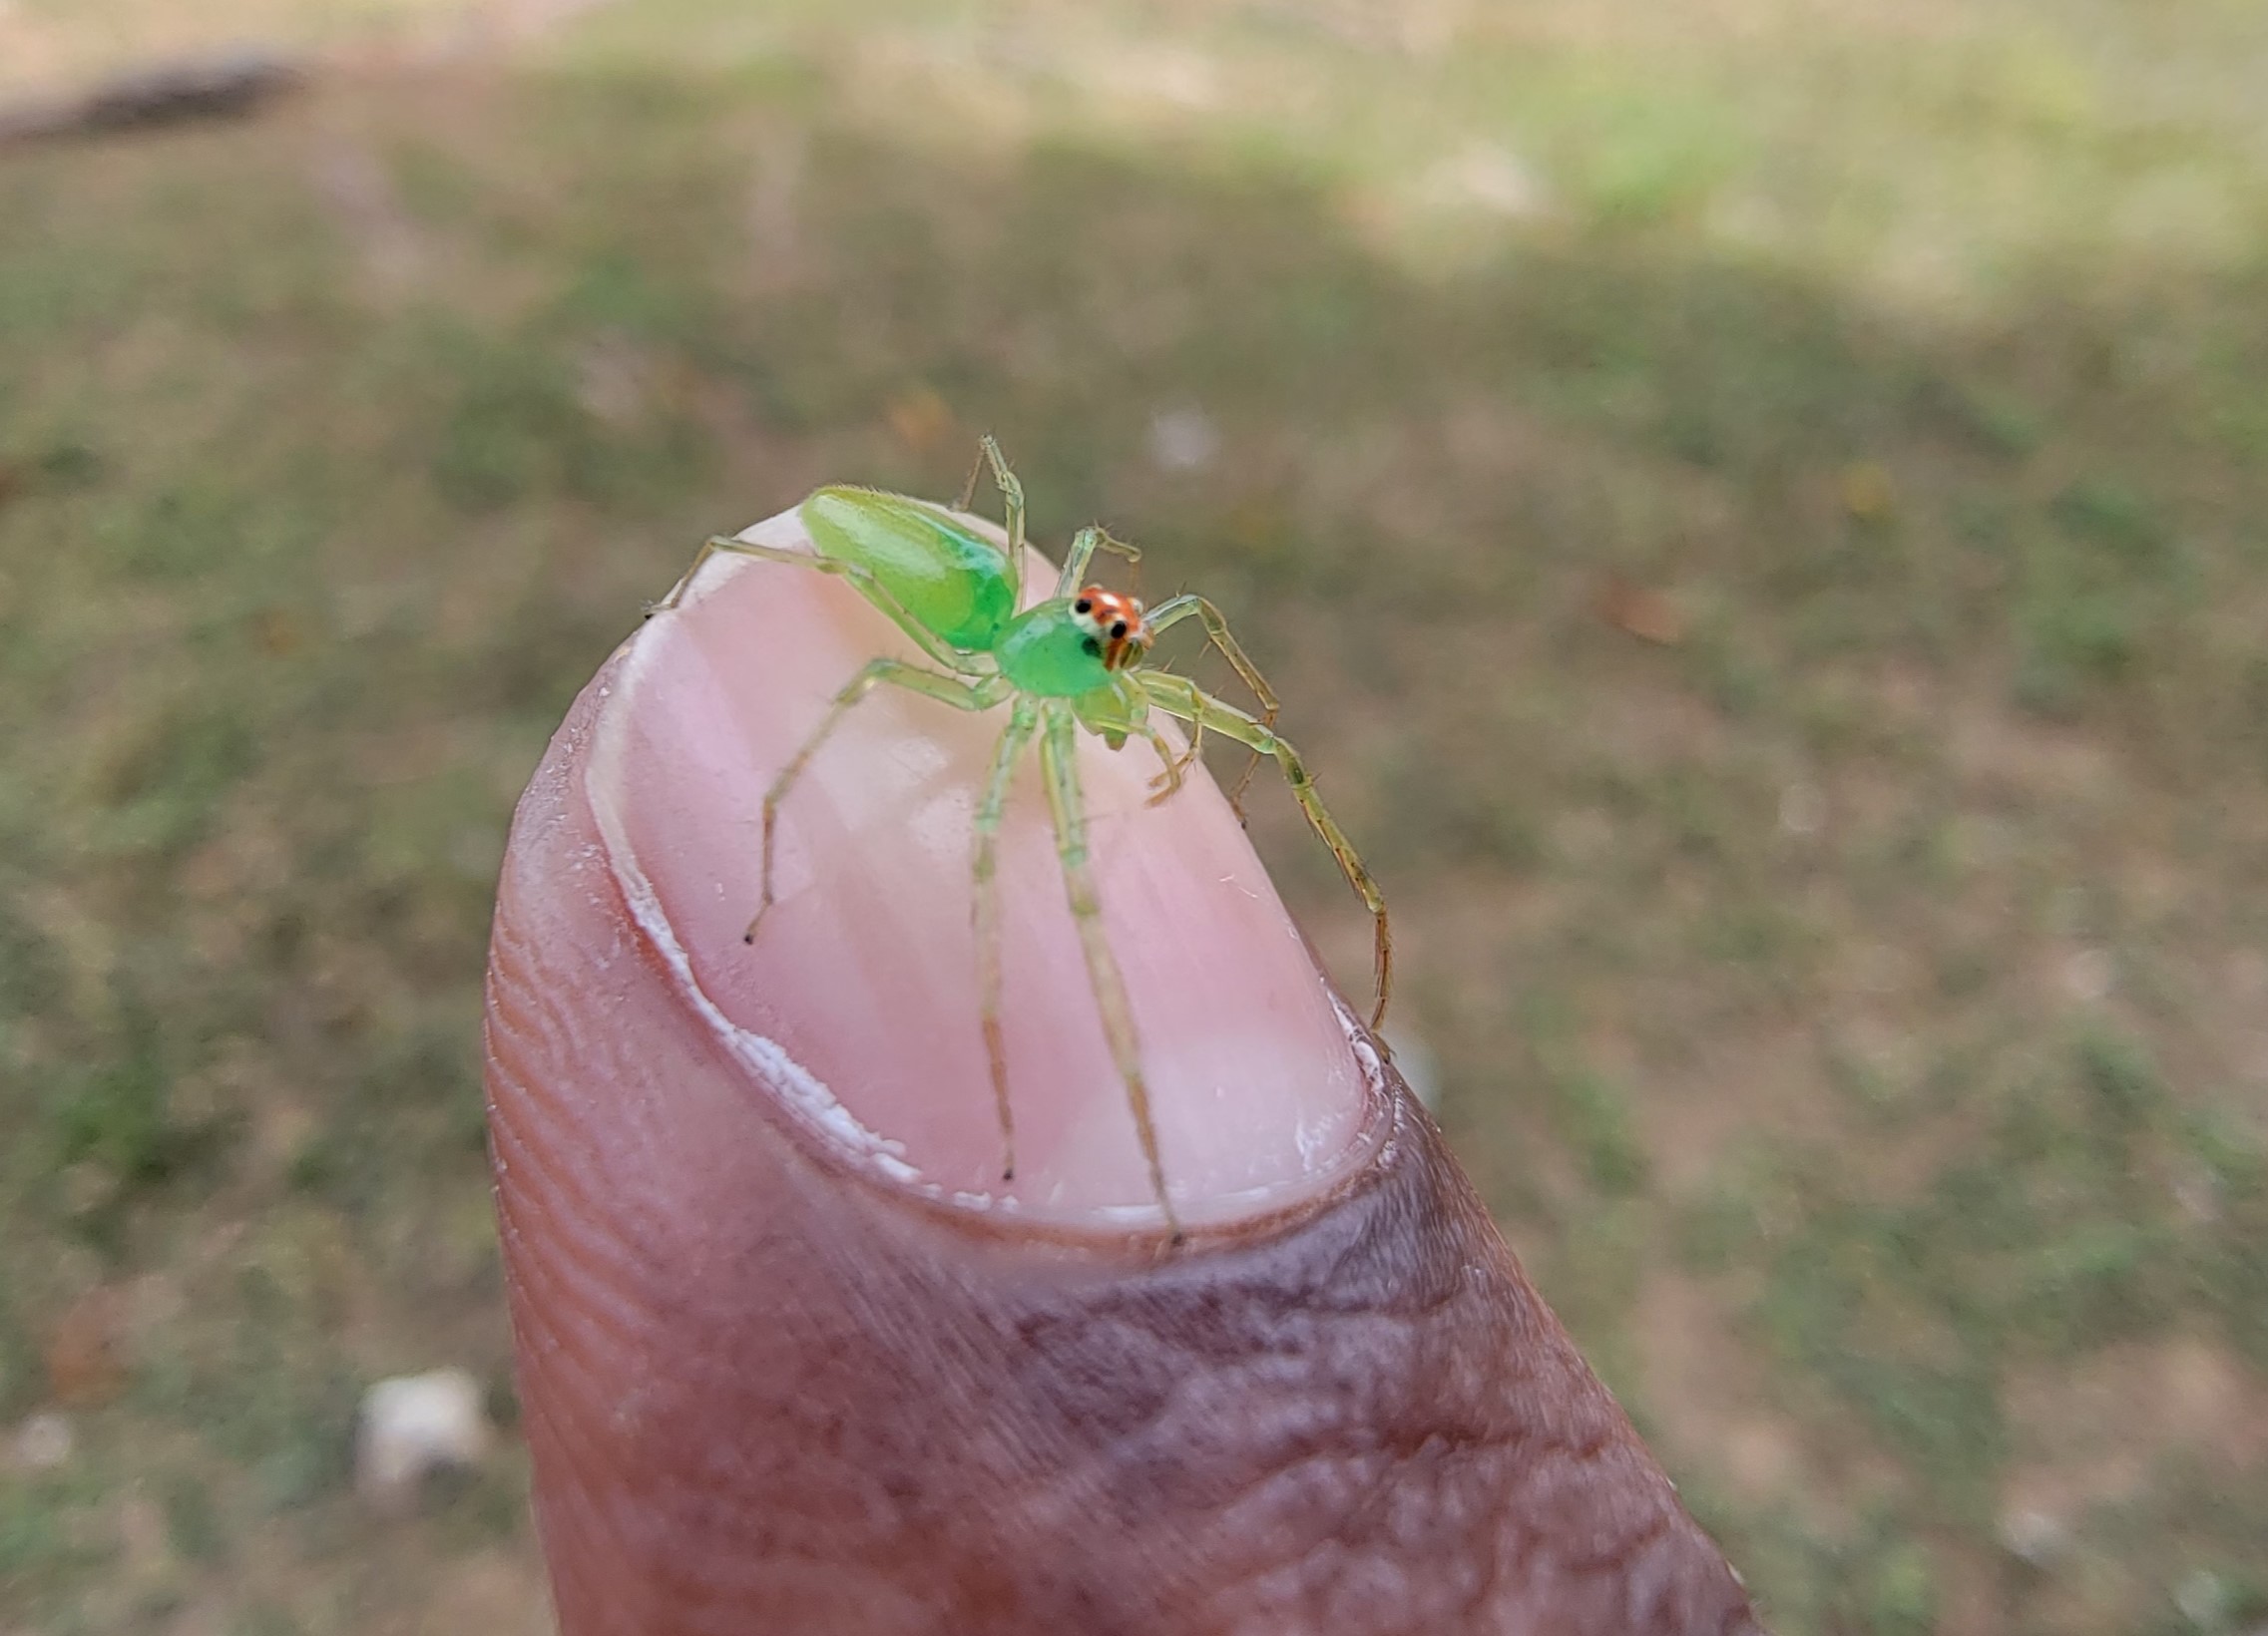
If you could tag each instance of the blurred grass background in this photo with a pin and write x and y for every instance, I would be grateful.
(1757, 507)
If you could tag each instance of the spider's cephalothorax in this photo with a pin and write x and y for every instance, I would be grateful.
(1112, 623)
(1071, 663)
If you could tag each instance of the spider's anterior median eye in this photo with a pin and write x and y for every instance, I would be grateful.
(1119, 631)
(1092, 648)
(1084, 604)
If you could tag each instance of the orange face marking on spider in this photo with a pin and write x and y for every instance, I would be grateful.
(1114, 621)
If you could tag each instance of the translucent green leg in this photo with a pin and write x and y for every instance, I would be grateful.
(1181, 697)
(1083, 545)
(1174, 763)
(1058, 753)
(1172, 612)
(1011, 513)
(1011, 507)
(968, 496)
(962, 696)
(860, 577)
(1022, 723)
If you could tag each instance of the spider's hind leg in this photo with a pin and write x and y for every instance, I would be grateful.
(1010, 505)
(862, 578)
(1181, 697)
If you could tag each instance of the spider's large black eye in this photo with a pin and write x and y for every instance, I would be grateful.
(1083, 606)
(1092, 648)
(1119, 631)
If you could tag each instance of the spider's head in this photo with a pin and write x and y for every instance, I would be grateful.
(1112, 623)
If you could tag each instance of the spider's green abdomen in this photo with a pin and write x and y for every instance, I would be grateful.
(953, 581)
(1046, 650)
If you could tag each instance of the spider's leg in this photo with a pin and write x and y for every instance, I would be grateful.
(1167, 782)
(1130, 717)
(1058, 762)
(1083, 545)
(953, 690)
(985, 910)
(1176, 609)
(1012, 513)
(1173, 763)
(861, 577)
(969, 488)
(1181, 697)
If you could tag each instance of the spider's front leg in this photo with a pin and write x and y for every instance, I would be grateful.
(1122, 711)
(1172, 612)
(1083, 545)
(1173, 765)
(1180, 697)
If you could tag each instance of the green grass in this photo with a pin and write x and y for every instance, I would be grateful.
(1879, 960)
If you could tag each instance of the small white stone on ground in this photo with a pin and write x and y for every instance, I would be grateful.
(414, 1426)
(2203, 1600)
(1803, 808)
(2034, 1536)
(1488, 176)
(44, 1442)
(2089, 974)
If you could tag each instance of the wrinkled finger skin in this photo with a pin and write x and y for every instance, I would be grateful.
(765, 1391)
